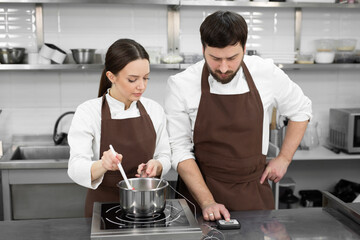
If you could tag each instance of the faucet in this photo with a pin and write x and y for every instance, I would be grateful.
(59, 138)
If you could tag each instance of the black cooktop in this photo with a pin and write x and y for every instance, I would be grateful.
(113, 217)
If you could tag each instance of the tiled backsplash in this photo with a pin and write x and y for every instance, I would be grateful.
(17, 26)
(33, 100)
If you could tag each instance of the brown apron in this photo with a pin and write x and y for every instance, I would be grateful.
(134, 138)
(228, 147)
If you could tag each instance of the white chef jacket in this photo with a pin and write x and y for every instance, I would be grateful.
(85, 131)
(184, 91)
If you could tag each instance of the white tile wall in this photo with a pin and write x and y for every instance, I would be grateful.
(270, 29)
(17, 26)
(99, 25)
(329, 23)
(32, 100)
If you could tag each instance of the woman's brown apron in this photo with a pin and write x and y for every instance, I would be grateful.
(134, 138)
(228, 147)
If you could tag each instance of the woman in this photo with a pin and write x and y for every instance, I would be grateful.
(135, 126)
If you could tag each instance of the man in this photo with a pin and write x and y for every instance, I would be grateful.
(218, 114)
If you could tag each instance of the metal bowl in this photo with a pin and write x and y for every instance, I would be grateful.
(146, 199)
(12, 55)
(83, 55)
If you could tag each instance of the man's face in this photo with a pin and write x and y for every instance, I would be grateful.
(224, 63)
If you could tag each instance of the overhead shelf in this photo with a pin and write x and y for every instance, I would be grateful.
(177, 66)
(265, 4)
(224, 3)
(153, 2)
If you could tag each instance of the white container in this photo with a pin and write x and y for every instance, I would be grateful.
(58, 56)
(46, 51)
(324, 57)
(43, 60)
(52, 52)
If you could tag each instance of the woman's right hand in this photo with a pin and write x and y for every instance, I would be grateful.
(109, 161)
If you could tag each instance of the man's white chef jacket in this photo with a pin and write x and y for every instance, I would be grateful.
(85, 131)
(184, 90)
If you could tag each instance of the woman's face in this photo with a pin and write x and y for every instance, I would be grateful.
(130, 83)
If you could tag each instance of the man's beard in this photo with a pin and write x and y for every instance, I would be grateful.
(231, 74)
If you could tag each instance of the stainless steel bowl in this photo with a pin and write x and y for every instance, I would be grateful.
(146, 199)
(12, 55)
(83, 55)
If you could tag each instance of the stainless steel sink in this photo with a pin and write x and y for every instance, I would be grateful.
(40, 152)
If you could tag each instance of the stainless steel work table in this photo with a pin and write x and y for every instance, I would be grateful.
(302, 223)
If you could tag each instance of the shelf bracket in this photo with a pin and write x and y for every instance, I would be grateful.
(298, 21)
(173, 29)
(39, 23)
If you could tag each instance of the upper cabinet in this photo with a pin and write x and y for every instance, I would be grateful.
(276, 29)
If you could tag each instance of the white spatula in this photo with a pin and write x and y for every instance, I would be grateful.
(121, 170)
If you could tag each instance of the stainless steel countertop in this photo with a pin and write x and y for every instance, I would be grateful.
(302, 223)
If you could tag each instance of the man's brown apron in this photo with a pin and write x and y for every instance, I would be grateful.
(228, 147)
(134, 138)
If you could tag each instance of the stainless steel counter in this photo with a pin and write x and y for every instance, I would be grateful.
(304, 223)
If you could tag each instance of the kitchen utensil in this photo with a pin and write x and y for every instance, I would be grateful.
(51, 52)
(305, 58)
(311, 137)
(157, 186)
(325, 45)
(12, 55)
(347, 45)
(121, 169)
(324, 57)
(146, 200)
(83, 55)
(344, 57)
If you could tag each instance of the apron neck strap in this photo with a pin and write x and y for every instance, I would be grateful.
(205, 87)
(105, 109)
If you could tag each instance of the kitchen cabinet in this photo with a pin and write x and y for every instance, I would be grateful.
(173, 21)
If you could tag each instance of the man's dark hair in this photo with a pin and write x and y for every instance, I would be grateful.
(223, 28)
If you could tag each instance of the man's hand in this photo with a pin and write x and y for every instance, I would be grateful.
(275, 169)
(215, 211)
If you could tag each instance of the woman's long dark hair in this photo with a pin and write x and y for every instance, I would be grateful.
(119, 54)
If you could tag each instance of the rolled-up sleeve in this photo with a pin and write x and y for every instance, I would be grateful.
(290, 99)
(178, 124)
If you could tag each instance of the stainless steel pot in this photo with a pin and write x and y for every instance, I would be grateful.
(146, 200)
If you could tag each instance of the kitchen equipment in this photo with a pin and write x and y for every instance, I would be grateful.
(172, 58)
(51, 52)
(311, 136)
(146, 199)
(12, 55)
(344, 57)
(357, 56)
(121, 170)
(310, 198)
(324, 57)
(345, 129)
(325, 45)
(83, 55)
(305, 58)
(347, 45)
(176, 222)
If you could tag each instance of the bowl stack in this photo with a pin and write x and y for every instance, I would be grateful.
(345, 51)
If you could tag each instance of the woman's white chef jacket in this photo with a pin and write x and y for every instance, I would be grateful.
(85, 129)
(184, 91)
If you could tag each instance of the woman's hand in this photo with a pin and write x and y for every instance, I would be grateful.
(153, 168)
(109, 161)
